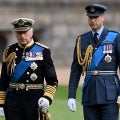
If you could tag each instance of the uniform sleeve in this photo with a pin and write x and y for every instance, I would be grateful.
(75, 74)
(118, 48)
(50, 75)
(4, 82)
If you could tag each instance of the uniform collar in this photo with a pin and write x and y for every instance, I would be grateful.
(99, 32)
(28, 45)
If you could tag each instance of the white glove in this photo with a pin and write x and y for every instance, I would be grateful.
(1, 111)
(72, 104)
(43, 104)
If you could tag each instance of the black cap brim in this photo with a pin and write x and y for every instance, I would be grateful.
(94, 15)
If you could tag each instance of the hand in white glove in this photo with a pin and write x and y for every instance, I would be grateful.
(72, 104)
(43, 104)
(1, 111)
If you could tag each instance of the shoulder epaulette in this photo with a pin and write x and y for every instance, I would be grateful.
(112, 31)
(5, 52)
(85, 33)
(42, 45)
(6, 49)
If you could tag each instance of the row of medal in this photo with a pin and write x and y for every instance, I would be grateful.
(107, 49)
(32, 56)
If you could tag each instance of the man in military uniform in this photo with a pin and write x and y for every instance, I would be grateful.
(25, 66)
(97, 56)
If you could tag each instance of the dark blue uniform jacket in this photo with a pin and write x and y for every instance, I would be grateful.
(100, 89)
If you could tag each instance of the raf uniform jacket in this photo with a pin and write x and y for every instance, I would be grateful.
(100, 89)
(41, 67)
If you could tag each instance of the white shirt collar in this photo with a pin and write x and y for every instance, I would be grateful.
(99, 32)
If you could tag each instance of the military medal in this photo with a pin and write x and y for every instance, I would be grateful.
(33, 76)
(34, 66)
(32, 56)
(107, 50)
(108, 58)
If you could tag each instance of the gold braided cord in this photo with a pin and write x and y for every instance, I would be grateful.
(9, 60)
(86, 61)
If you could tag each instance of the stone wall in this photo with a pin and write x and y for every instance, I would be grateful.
(57, 22)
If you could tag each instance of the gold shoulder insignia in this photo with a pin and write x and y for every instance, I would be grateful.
(5, 53)
(9, 60)
(38, 43)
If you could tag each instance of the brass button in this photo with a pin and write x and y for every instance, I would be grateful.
(96, 72)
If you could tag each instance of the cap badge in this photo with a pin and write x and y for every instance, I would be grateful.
(21, 22)
(92, 9)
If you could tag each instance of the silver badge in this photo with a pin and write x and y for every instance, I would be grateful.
(33, 76)
(34, 66)
(108, 58)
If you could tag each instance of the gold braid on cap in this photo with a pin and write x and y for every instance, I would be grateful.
(9, 60)
(86, 61)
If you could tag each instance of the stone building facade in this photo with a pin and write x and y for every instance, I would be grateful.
(57, 23)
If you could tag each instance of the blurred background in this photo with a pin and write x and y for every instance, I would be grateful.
(57, 24)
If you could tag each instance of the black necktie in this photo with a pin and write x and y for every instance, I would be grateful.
(95, 37)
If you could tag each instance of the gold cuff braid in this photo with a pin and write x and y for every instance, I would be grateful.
(2, 97)
(50, 91)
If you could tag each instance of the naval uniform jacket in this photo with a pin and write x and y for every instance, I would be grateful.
(100, 89)
(38, 70)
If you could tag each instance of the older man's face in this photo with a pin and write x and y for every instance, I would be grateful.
(24, 37)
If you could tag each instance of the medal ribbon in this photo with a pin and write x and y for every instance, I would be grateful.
(23, 65)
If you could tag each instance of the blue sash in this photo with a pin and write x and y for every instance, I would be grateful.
(23, 65)
(98, 55)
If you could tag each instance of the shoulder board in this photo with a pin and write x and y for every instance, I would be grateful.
(113, 31)
(11, 45)
(6, 48)
(86, 33)
(106, 42)
(42, 45)
(5, 52)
